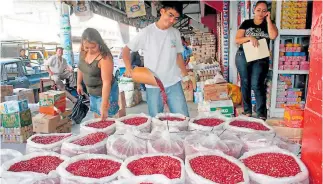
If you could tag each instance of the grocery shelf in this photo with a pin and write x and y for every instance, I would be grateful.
(298, 32)
(293, 72)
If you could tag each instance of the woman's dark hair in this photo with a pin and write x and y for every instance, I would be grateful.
(93, 36)
(259, 2)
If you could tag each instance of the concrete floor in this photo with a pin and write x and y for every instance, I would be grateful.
(141, 108)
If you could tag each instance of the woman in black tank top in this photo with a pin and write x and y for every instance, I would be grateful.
(96, 70)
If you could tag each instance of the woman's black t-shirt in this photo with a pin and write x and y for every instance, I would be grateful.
(258, 31)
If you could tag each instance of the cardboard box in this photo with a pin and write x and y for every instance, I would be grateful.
(43, 123)
(52, 102)
(25, 94)
(283, 131)
(11, 98)
(17, 135)
(16, 119)
(6, 90)
(13, 106)
(216, 92)
(65, 128)
(189, 95)
(293, 117)
(224, 106)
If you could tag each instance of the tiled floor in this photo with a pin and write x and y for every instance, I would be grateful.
(76, 128)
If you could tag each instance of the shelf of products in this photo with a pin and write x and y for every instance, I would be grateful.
(298, 32)
(293, 71)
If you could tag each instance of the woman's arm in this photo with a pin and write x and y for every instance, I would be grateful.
(106, 65)
(240, 38)
(272, 29)
(79, 87)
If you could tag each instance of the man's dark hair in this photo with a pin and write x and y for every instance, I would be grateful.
(259, 2)
(61, 48)
(22, 50)
(177, 6)
(183, 38)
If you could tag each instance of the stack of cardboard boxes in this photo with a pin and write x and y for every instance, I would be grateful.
(16, 121)
(293, 14)
(53, 115)
(203, 46)
(131, 91)
(6, 90)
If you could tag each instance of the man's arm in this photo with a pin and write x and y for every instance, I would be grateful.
(181, 64)
(47, 64)
(126, 60)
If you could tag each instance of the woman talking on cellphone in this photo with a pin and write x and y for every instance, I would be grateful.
(253, 74)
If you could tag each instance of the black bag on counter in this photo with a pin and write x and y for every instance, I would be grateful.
(79, 110)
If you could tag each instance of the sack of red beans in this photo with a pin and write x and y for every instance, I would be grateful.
(46, 142)
(214, 167)
(150, 179)
(167, 143)
(140, 122)
(171, 122)
(274, 165)
(202, 142)
(107, 126)
(39, 167)
(85, 143)
(245, 125)
(126, 145)
(151, 164)
(89, 168)
(208, 122)
(233, 142)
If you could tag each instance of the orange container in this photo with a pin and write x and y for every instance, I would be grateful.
(52, 102)
(143, 75)
(294, 117)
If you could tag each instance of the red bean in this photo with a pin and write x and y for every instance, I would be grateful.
(49, 139)
(217, 169)
(209, 121)
(165, 165)
(40, 164)
(94, 168)
(249, 124)
(91, 139)
(162, 91)
(168, 118)
(100, 124)
(135, 121)
(273, 164)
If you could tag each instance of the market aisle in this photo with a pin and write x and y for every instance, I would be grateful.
(142, 107)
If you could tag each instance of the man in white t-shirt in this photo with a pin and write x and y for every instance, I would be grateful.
(163, 49)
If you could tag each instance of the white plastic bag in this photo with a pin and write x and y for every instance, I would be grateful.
(55, 147)
(166, 143)
(242, 130)
(69, 178)
(84, 129)
(155, 179)
(217, 115)
(233, 142)
(172, 126)
(300, 178)
(122, 127)
(203, 142)
(125, 173)
(20, 177)
(193, 178)
(123, 146)
(255, 141)
(70, 149)
(8, 154)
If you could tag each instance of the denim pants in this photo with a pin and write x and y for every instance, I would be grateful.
(175, 99)
(253, 75)
(96, 101)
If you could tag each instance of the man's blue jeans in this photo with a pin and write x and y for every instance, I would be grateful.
(253, 75)
(175, 99)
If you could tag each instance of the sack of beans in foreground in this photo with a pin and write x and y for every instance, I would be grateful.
(205, 142)
(85, 143)
(126, 145)
(167, 143)
(107, 126)
(244, 125)
(207, 122)
(39, 166)
(46, 142)
(274, 165)
(140, 122)
(170, 121)
(213, 168)
(150, 179)
(150, 164)
(8, 154)
(89, 168)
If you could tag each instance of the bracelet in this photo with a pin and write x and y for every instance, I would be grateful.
(186, 78)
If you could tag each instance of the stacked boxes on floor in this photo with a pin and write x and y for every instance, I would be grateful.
(6, 90)
(16, 121)
(203, 46)
(53, 116)
(293, 14)
(291, 58)
(131, 91)
(286, 94)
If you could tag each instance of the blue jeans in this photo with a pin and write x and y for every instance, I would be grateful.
(253, 75)
(96, 101)
(175, 99)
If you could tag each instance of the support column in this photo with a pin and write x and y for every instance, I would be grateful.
(65, 33)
